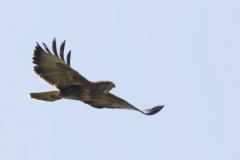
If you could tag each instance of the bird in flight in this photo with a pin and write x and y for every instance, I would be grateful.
(72, 85)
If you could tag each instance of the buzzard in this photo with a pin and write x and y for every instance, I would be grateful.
(72, 85)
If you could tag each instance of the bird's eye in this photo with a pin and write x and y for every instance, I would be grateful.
(106, 83)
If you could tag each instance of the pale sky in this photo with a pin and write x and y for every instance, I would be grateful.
(183, 54)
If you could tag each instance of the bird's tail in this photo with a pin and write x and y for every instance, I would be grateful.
(46, 96)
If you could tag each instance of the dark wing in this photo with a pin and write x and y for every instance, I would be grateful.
(111, 101)
(53, 69)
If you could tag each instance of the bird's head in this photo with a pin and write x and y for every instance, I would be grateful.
(105, 86)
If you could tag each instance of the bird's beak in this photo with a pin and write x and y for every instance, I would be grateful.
(114, 85)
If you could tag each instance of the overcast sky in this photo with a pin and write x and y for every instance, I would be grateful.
(183, 54)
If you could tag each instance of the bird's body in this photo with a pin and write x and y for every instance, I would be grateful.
(82, 93)
(71, 85)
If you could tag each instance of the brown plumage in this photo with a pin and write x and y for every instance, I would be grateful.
(72, 85)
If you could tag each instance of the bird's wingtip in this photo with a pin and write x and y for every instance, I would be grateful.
(153, 110)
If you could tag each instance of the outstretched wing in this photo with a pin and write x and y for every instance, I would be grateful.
(53, 69)
(111, 101)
